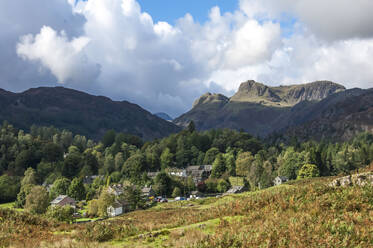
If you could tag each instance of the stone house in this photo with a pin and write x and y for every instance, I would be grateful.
(63, 200)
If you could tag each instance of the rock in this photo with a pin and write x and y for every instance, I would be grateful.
(361, 179)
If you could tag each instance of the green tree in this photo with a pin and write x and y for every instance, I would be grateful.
(133, 195)
(76, 189)
(243, 163)
(37, 200)
(104, 201)
(176, 192)
(191, 127)
(308, 171)
(109, 138)
(163, 184)
(134, 166)
(218, 167)
(60, 187)
(62, 214)
(166, 159)
(29, 178)
(222, 186)
(9, 187)
(210, 156)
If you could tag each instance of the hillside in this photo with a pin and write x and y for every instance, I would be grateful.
(316, 110)
(80, 113)
(303, 213)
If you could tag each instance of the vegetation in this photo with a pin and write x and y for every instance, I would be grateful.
(305, 213)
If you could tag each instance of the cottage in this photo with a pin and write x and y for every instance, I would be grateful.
(147, 192)
(199, 173)
(235, 190)
(63, 200)
(177, 172)
(118, 208)
(280, 180)
(116, 189)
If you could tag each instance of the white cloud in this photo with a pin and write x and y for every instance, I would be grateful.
(65, 59)
(113, 48)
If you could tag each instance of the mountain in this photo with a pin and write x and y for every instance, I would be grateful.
(338, 117)
(80, 112)
(164, 116)
(262, 110)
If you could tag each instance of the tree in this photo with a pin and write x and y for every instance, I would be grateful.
(166, 159)
(308, 171)
(133, 196)
(93, 207)
(9, 187)
(60, 187)
(222, 186)
(218, 167)
(62, 214)
(37, 200)
(72, 165)
(76, 189)
(243, 163)
(22, 194)
(134, 166)
(109, 138)
(176, 192)
(104, 201)
(210, 155)
(29, 178)
(163, 184)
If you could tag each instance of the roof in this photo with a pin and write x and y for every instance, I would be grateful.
(116, 205)
(146, 189)
(235, 189)
(283, 178)
(60, 198)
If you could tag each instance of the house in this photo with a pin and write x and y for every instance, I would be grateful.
(195, 194)
(235, 190)
(63, 200)
(152, 175)
(147, 192)
(116, 189)
(280, 180)
(117, 208)
(177, 172)
(199, 173)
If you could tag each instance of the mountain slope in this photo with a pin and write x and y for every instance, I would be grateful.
(80, 112)
(255, 107)
(163, 116)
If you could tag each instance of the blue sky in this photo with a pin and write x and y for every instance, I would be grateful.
(171, 10)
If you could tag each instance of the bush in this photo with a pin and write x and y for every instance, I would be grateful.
(308, 171)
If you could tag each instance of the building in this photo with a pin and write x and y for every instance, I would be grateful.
(63, 200)
(147, 192)
(280, 180)
(118, 208)
(199, 173)
(177, 172)
(116, 189)
(235, 190)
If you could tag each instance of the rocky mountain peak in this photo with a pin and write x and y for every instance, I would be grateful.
(211, 98)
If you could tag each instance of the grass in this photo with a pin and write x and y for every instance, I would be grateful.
(304, 213)
(10, 205)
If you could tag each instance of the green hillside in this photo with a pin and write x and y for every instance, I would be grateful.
(303, 213)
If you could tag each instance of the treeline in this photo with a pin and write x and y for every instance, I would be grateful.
(61, 159)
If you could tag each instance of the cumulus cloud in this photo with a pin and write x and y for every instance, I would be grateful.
(114, 48)
(66, 59)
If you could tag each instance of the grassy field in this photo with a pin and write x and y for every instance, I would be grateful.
(10, 205)
(304, 213)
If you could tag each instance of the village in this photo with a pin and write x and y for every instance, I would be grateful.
(120, 205)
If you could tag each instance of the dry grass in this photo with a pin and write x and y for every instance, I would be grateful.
(304, 214)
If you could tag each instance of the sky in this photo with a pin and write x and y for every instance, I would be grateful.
(164, 54)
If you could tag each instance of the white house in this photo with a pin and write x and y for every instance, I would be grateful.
(280, 180)
(115, 209)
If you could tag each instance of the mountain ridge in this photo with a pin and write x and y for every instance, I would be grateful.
(80, 112)
(262, 110)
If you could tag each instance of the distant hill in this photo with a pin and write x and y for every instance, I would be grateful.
(80, 112)
(164, 116)
(318, 109)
